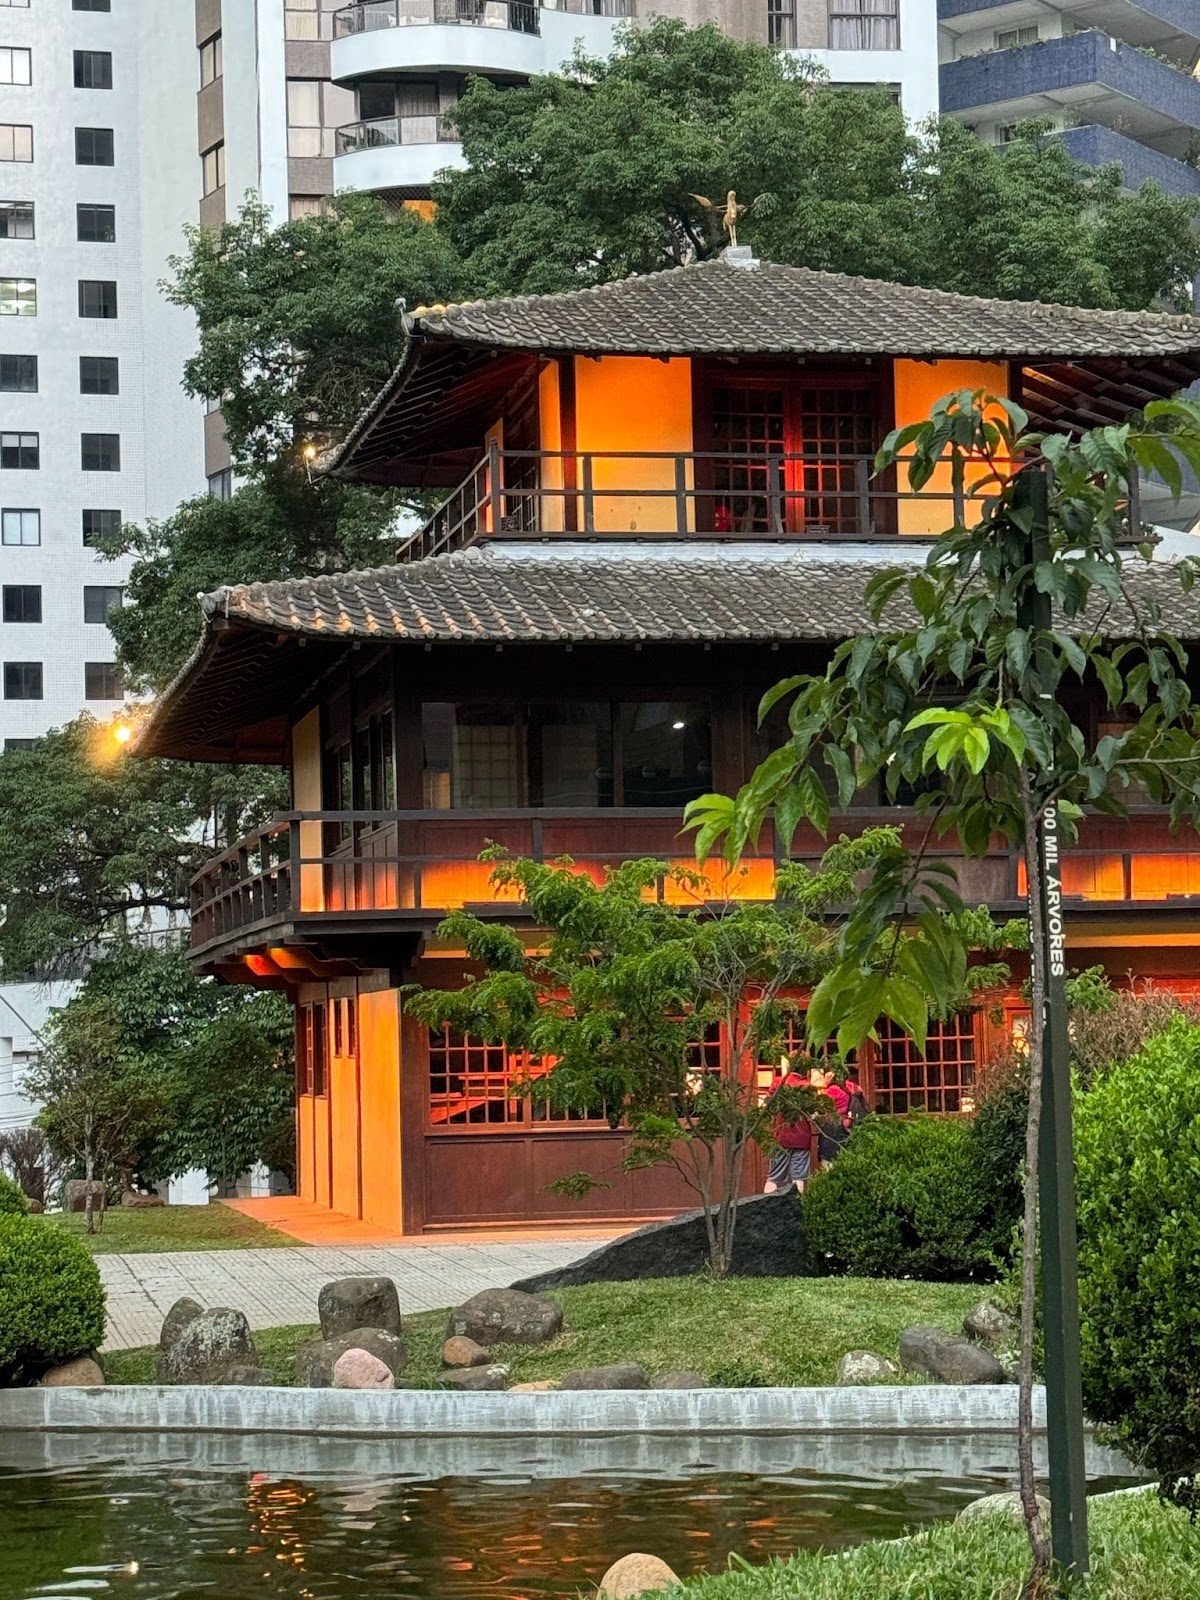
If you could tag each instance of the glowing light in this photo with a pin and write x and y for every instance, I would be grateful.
(310, 452)
(122, 732)
(678, 726)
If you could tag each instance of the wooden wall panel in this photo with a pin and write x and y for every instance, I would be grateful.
(379, 1076)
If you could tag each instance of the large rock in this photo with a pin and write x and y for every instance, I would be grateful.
(1007, 1504)
(359, 1369)
(621, 1375)
(506, 1316)
(475, 1379)
(207, 1347)
(316, 1360)
(864, 1366)
(82, 1373)
(769, 1242)
(358, 1303)
(248, 1378)
(682, 1378)
(636, 1574)
(988, 1323)
(136, 1200)
(948, 1358)
(184, 1310)
(460, 1352)
(75, 1194)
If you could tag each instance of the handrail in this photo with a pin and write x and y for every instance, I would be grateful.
(520, 16)
(387, 133)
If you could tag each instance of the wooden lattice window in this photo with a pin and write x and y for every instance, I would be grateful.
(473, 1084)
(312, 1076)
(834, 424)
(751, 425)
(938, 1081)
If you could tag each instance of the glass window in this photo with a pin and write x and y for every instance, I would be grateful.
(938, 1081)
(91, 5)
(100, 681)
(18, 297)
(20, 744)
(570, 755)
(99, 525)
(305, 205)
(781, 23)
(864, 24)
(96, 224)
(100, 452)
(376, 100)
(18, 374)
(304, 117)
(16, 219)
(97, 298)
(665, 752)
(16, 66)
(99, 375)
(212, 164)
(20, 525)
(22, 602)
(16, 141)
(220, 484)
(22, 680)
(93, 69)
(93, 147)
(211, 65)
(17, 5)
(310, 19)
(1013, 38)
(471, 757)
(101, 598)
(20, 452)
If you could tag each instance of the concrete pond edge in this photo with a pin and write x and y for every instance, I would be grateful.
(423, 1413)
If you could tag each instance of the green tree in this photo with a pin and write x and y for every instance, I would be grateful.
(967, 694)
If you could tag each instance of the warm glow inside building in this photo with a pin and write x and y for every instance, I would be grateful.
(660, 501)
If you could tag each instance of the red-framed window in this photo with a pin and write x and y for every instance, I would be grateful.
(478, 1085)
(939, 1081)
(312, 1050)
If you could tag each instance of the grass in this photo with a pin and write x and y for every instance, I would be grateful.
(211, 1227)
(747, 1331)
(1140, 1549)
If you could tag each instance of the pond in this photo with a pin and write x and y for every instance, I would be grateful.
(232, 1517)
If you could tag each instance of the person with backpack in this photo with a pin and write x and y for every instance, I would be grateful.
(795, 1138)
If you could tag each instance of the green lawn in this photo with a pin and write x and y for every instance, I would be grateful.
(747, 1331)
(211, 1227)
(1141, 1550)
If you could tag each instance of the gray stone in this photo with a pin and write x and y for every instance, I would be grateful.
(621, 1375)
(176, 1320)
(506, 1316)
(207, 1347)
(75, 1194)
(682, 1378)
(461, 1352)
(249, 1378)
(769, 1242)
(36, 1207)
(863, 1366)
(634, 1575)
(359, 1369)
(316, 1360)
(135, 1200)
(348, 1303)
(83, 1373)
(475, 1379)
(1007, 1504)
(989, 1324)
(947, 1357)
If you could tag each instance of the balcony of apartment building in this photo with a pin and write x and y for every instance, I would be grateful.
(1079, 80)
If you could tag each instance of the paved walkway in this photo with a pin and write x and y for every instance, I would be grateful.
(278, 1287)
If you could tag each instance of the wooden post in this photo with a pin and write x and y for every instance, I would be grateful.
(862, 488)
(681, 505)
(495, 497)
(589, 503)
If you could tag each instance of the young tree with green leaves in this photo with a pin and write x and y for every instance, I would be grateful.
(970, 693)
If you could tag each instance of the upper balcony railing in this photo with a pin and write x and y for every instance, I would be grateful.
(521, 16)
(383, 133)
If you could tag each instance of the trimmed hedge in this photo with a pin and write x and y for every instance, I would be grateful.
(1137, 1148)
(907, 1198)
(51, 1299)
(12, 1198)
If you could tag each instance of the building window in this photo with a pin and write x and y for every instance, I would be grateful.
(781, 23)
(16, 141)
(305, 205)
(100, 525)
(97, 298)
(472, 1084)
(100, 681)
(96, 224)
(312, 1057)
(22, 602)
(99, 375)
(1013, 38)
(18, 374)
(16, 66)
(91, 5)
(20, 744)
(20, 526)
(210, 60)
(100, 452)
(93, 147)
(938, 1081)
(18, 297)
(20, 452)
(220, 484)
(310, 19)
(212, 164)
(22, 680)
(17, 5)
(99, 599)
(864, 24)
(93, 69)
(16, 219)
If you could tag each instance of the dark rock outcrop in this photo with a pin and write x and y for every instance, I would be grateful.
(506, 1316)
(621, 1375)
(358, 1303)
(948, 1358)
(207, 1347)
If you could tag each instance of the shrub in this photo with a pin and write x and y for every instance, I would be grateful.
(51, 1299)
(12, 1198)
(1138, 1164)
(905, 1199)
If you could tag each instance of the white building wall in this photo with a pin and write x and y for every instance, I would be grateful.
(24, 1009)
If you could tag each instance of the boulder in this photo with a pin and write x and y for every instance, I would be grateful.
(506, 1316)
(1007, 1504)
(316, 1360)
(82, 1373)
(206, 1348)
(35, 1206)
(248, 1378)
(682, 1378)
(359, 1369)
(135, 1200)
(947, 1357)
(539, 1386)
(176, 1320)
(989, 1324)
(475, 1379)
(636, 1574)
(863, 1366)
(462, 1352)
(349, 1303)
(621, 1375)
(75, 1194)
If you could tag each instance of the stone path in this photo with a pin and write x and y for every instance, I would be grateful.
(279, 1287)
